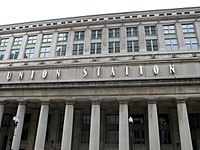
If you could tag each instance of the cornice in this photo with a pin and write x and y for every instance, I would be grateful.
(113, 18)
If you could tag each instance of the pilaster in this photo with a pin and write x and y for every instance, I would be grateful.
(38, 45)
(161, 38)
(9, 47)
(180, 36)
(105, 40)
(23, 47)
(142, 39)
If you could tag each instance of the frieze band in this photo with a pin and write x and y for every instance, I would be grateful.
(111, 72)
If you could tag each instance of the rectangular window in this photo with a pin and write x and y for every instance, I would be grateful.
(78, 49)
(44, 52)
(150, 30)
(17, 41)
(62, 36)
(29, 53)
(112, 129)
(114, 47)
(131, 31)
(2, 53)
(95, 48)
(32, 39)
(137, 129)
(47, 38)
(114, 33)
(169, 29)
(188, 28)
(14, 54)
(79, 35)
(171, 44)
(96, 34)
(61, 50)
(191, 42)
(152, 45)
(4, 42)
(164, 127)
(85, 128)
(133, 46)
(190, 38)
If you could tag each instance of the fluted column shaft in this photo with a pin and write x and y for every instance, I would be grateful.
(154, 138)
(67, 127)
(19, 126)
(95, 127)
(184, 129)
(123, 127)
(42, 127)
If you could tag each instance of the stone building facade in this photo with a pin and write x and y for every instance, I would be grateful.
(124, 81)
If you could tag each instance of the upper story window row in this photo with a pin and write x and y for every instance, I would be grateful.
(131, 42)
(97, 34)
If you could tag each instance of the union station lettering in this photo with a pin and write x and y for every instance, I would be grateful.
(101, 72)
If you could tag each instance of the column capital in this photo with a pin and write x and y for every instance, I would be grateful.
(123, 102)
(151, 101)
(69, 102)
(22, 102)
(44, 102)
(96, 102)
(181, 99)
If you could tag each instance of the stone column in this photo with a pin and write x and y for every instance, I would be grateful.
(161, 38)
(18, 129)
(94, 142)
(142, 39)
(184, 129)
(42, 127)
(1, 113)
(123, 127)
(123, 39)
(154, 139)
(180, 36)
(67, 127)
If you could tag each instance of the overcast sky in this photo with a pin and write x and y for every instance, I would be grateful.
(16, 11)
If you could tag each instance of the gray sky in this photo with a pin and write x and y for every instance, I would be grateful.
(16, 11)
